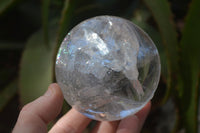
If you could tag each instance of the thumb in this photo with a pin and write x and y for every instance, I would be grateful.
(35, 115)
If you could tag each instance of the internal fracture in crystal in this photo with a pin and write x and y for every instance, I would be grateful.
(108, 68)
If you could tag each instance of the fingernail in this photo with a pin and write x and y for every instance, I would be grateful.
(49, 92)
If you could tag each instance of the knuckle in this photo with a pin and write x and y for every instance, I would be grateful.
(25, 114)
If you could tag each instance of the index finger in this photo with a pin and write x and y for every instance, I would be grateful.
(72, 122)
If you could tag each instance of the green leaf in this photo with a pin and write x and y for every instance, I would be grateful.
(7, 93)
(67, 13)
(36, 67)
(190, 68)
(161, 12)
(5, 4)
(45, 15)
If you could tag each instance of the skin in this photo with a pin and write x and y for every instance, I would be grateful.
(35, 116)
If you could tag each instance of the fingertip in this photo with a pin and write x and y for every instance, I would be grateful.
(142, 115)
(134, 123)
(144, 111)
(129, 125)
(55, 89)
(52, 99)
(54, 85)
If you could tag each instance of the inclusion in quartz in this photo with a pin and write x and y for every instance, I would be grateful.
(107, 68)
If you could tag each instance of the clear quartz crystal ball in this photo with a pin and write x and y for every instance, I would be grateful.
(108, 68)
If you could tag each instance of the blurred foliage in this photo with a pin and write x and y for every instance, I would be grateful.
(31, 32)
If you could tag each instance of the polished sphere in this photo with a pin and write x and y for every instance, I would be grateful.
(108, 68)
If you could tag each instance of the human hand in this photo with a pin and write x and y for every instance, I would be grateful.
(35, 116)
